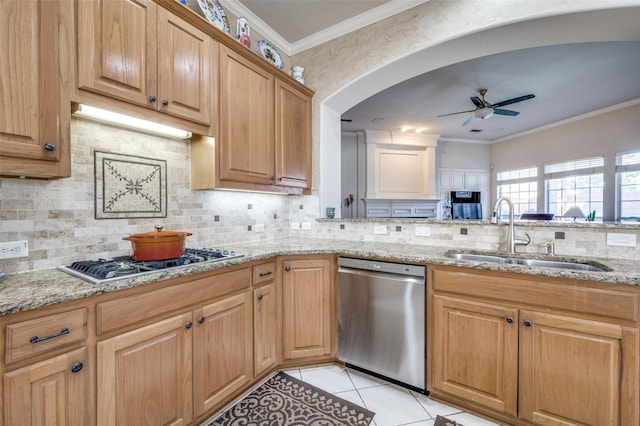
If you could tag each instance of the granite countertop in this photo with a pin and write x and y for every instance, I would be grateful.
(31, 290)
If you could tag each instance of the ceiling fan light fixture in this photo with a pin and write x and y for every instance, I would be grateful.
(483, 113)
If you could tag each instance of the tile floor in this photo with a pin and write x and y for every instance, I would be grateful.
(393, 405)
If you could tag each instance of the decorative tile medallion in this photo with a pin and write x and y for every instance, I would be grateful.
(129, 187)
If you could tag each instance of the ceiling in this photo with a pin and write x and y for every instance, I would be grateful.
(567, 80)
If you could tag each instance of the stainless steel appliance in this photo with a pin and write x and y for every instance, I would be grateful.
(466, 205)
(107, 270)
(381, 319)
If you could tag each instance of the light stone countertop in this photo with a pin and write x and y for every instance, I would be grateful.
(31, 290)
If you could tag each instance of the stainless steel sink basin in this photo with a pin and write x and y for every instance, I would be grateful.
(575, 266)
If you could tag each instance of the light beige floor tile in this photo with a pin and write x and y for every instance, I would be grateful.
(331, 378)
(393, 405)
(362, 380)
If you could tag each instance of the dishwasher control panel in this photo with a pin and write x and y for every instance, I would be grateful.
(388, 267)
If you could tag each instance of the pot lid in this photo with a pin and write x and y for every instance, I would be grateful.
(159, 233)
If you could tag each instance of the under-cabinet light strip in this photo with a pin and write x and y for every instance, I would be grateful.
(110, 117)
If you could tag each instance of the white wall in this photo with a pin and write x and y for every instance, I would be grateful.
(601, 135)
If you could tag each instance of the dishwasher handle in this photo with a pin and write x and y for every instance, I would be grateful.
(385, 275)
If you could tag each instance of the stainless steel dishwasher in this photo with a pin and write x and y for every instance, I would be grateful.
(381, 319)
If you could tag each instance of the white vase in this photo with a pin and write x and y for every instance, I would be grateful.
(296, 73)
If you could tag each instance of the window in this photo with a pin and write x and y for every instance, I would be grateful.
(575, 183)
(628, 186)
(521, 187)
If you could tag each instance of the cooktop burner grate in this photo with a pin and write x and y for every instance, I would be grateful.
(104, 270)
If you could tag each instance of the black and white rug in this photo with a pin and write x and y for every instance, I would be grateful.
(442, 421)
(286, 401)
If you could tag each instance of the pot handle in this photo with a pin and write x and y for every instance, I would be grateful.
(158, 228)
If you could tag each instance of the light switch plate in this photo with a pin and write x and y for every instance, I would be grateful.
(380, 229)
(623, 240)
(305, 225)
(423, 231)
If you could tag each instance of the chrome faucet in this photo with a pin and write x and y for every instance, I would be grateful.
(512, 242)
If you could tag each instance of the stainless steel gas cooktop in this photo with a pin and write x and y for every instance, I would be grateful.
(106, 270)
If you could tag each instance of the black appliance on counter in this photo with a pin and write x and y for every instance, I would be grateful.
(466, 205)
(106, 270)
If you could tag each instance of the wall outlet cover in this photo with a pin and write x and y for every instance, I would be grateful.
(295, 225)
(380, 229)
(305, 225)
(12, 249)
(623, 240)
(423, 231)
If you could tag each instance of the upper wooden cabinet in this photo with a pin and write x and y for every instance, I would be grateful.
(138, 52)
(35, 76)
(264, 141)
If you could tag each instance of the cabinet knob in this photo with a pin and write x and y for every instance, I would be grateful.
(280, 179)
(287, 268)
(509, 320)
(260, 296)
(76, 367)
(165, 102)
(49, 146)
(527, 323)
(200, 320)
(273, 178)
(152, 98)
(188, 325)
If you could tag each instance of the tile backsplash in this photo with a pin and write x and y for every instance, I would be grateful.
(57, 218)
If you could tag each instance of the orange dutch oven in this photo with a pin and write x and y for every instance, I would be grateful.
(158, 245)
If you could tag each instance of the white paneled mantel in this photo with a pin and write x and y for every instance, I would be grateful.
(401, 167)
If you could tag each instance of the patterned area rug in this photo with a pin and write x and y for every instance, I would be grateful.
(285, 401)
(441, 421)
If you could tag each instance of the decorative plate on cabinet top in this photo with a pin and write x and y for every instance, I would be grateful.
(270, 53)
(214, 12)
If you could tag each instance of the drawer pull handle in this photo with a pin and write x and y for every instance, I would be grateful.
(266, 274)
(76, 367)
(36, 339)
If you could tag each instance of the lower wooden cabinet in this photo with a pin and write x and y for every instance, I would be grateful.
(51, 392)
(145, 375)
(308, 308)
(532, 366)
(172, 371)
(265, 304)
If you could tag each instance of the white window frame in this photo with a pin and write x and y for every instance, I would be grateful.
(575, 168)
(626, 162)
(527, 175)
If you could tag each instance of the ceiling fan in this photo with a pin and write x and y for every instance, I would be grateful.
(485, 110)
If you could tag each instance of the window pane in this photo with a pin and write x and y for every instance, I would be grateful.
(629, 195)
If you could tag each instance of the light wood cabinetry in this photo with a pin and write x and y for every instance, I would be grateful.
(308, 308)
(264, 141)
(188, 364)
(45, 368)
(140, 53)
(265, 318)
(36, 74)
(145, 375)
(534, 352)
(50, 392)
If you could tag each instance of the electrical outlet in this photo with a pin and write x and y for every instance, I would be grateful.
(623, 240)
(259, 227)
(305, 225)
(295, 225)
(14, 249)
(380, 229)
(423, 231)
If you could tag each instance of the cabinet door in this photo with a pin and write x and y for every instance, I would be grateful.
(475, 352)
(51, 392)
(293, 136)
(185, 69)
(34, 122)
(145, 375)
(246, 142)
(570, 370)
(307, 308)
(223, 350)
(117, 49)
(264, 325)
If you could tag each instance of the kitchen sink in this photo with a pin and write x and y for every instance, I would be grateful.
(543, 263)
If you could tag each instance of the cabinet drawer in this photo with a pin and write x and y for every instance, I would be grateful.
(594, 301)
(28, 338)
(142, 307)
(264, 273)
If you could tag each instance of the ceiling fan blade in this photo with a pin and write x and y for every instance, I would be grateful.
(469, 120)
(505, 112)
(514, 100)
(454, 113)
(477, 102)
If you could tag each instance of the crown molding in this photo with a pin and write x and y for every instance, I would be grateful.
(352, 24)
